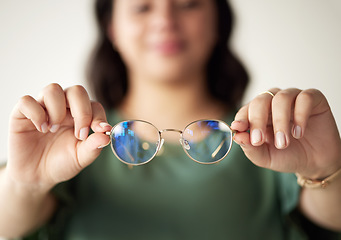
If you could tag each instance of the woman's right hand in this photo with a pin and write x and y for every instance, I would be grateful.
(48, 137)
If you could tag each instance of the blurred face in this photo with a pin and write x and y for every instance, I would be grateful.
(164, 39)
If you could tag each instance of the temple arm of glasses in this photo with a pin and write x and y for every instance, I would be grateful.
(220, 146)
(217, 149)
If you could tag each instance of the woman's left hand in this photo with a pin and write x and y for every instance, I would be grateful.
(294, 131)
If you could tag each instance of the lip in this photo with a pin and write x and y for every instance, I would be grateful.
(168, 47)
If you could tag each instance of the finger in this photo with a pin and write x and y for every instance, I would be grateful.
(282, 106)
(78, 101)
(259, 112)
(89, 149)
(29, 108)
(53, 98)
(242, 138)
(305, 102)
(241, 122)
(259, 155)
(99, 119)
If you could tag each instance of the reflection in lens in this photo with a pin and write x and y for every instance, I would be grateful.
(207, 141)
(135, 142)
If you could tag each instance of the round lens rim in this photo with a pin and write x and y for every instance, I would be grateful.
(135, 164)
(203, 120)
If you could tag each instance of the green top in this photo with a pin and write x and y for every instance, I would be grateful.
(173, 197)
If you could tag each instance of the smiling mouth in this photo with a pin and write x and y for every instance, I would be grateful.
(169, 47)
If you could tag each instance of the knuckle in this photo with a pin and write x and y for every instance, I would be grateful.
(258, 101)
(52, 88)
(24, 100)
(307, 96)
(78, 90)
(98, 109)
(31, 109)
(310, 93)
(275, 89)
(282, 96)
(293, 89)
(97, 105)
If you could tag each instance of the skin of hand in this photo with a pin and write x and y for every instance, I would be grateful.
(294, 131)
(48, 137)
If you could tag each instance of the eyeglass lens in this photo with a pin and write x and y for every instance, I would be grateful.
(207, 141)
(135, 142)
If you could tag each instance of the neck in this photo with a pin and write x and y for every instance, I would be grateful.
(170, 104)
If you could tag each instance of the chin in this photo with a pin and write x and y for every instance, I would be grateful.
(170, 76)
(171, 71)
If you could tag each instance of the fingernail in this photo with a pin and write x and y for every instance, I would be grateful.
(44, 127)
(83, 133)
(104, 124)
(297, 132)
(54, 128)
(103, 146)
(256, 136)
(280, 140)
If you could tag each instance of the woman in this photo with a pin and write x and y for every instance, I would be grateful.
(169, 67)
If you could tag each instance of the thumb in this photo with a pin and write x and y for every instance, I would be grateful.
(259, 155)
(89, 149)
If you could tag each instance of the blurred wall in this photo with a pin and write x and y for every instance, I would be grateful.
(292, 43)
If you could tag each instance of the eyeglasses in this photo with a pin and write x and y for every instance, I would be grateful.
(136, 142)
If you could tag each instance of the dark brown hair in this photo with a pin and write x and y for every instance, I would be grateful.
(226, 77)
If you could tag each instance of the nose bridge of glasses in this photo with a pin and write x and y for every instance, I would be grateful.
(182, 142)
(170, 130)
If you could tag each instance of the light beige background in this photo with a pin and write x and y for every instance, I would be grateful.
(291, 43)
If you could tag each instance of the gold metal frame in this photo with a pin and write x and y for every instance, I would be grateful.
(181, 140)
